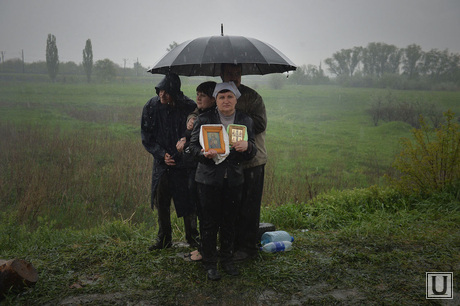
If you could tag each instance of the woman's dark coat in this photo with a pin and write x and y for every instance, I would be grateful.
(208, 172)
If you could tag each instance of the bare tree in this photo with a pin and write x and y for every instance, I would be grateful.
(344, 62)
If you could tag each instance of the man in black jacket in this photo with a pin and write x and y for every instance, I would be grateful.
(163, 124)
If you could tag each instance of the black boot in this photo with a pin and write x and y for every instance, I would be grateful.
(211, 271)
(213, 274)
(161, 243)
(230, 269)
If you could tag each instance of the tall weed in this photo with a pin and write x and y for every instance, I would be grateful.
(431, 162)
(77, 177)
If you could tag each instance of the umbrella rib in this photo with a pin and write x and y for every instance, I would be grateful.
(258, 68)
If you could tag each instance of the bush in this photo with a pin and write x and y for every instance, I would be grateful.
(431, 164)
(389, 108)
(105, 70)
(336, 208)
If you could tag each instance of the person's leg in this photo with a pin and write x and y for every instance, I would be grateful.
(184, 203)
(210, 218)
(231, 197)
(163, 206)
(248, 217)
(193, 189)
(191, 231)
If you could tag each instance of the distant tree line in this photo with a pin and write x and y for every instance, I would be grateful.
(377, 65)
(309, 75)
(72, 69)
(384, 65)
(104, 70)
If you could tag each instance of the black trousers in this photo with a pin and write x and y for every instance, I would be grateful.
(248, 216)
(193, 190)
(162, 203)
(217, 216)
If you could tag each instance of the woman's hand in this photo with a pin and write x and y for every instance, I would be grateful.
(210, 154)
(190, 123)
(180, 144)
(240, 146)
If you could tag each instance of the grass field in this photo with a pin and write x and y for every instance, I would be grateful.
(75, 187)
(318, 138)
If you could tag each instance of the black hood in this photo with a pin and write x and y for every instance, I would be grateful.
(171, 84)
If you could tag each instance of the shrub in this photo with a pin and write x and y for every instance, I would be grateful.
(431, 163)
(105, 70)
(389, 108)
(336, 208)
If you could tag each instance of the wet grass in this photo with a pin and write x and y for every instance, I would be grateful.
(74, 196)
(377, 253)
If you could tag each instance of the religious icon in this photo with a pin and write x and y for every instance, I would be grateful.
(236, 133)
(213, 138)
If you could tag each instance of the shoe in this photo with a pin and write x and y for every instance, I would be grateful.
(230, 269)
(193, 256)
(239, 256)
(213, 274)
(160, 245)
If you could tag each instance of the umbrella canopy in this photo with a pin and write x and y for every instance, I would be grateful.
(203, 57)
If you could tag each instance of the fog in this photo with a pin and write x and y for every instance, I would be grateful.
(306, 31)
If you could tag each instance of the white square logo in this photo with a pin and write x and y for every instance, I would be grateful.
(439, 285)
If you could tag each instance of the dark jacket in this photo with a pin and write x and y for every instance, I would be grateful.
(189, 160)
(252, 104)
(161, 127)
(207, 171)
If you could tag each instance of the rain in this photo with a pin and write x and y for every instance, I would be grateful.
(338, 125)
(306, 31)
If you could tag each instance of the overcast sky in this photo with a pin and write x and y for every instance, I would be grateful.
(306, 31)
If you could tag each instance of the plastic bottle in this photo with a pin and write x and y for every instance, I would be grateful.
(268, 237)
(277, 246)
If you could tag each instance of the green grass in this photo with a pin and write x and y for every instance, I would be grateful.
(318, 138)
(75, 188)
(376, 253)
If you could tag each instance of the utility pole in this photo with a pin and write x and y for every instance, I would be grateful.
(23, 69)
(3, 58)
(124, 68)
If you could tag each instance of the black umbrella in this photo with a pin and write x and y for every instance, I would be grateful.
(203, 56)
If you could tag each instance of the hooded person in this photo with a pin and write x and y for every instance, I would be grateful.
(163, 124)
(171, 85)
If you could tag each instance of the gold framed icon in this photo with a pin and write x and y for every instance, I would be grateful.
(213, 138)
(236, 133)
